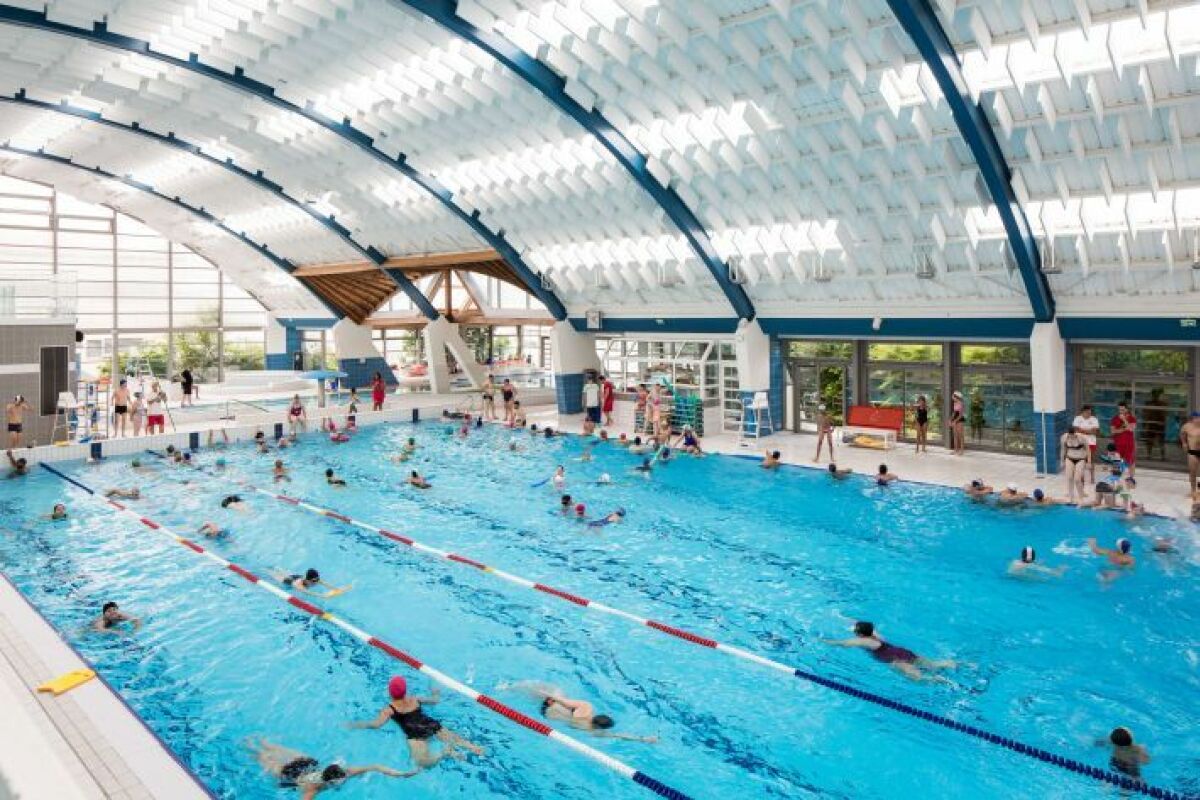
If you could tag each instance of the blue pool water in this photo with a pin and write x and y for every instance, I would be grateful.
(772, 562)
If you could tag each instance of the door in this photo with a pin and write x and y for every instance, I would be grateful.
(815, 384)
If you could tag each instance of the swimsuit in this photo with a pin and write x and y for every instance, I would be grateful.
(295, 770)
(922, 416)
(416, 724)
(891, 654)
(120, 409)
(1075, 452)
(14, 427)
(507, 394)
(295, 411)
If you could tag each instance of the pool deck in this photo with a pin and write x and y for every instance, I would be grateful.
(85, 743)
(1162, 492)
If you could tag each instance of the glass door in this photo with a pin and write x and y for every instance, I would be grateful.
(818, 383)
(999, 410)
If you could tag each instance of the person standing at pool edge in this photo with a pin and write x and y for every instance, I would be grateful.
(608, 396)
(921, 415)
(156, 407)
(378, 391)
(591, 400)
(824, 432)
(418, 726)
(1189, 437)
(188, 385)
(1088, 424)
(957, 418)
(15, 413)
(1123, 432)
(120, 401)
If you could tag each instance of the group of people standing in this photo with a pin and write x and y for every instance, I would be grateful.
(148, 410)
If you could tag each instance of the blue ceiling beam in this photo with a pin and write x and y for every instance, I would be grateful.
(919, 21)
(262, 249)
(553, 88)
(171, 140)
(99, 34)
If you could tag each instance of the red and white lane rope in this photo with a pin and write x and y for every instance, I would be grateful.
(561, 594)
(537, 726)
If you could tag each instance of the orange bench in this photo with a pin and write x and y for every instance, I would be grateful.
(873, 426)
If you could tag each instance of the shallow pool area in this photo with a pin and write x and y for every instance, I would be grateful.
(769, 562)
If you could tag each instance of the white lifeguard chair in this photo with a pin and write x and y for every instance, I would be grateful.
(65, 417)
(756, 417)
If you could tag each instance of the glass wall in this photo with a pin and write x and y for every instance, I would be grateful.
(401, 347)
(820, 373)
(152, 303)
(900, 372)
(1159, 384)
(998, 390)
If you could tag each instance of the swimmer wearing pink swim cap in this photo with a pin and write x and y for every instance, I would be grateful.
(418, 726)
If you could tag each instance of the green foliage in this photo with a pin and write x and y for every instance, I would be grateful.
(994, 354)
(904, 351)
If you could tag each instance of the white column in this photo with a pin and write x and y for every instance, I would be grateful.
(571, 352)
(442, 335)
(753, 350)
(1048, 367)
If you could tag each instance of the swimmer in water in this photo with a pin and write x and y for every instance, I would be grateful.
(1011, 495)
(559, 478)
(59, 512)
(564, 505)
(977, 490)
(295, 770)
(1026, 566)
(405, 710)
(1040, 498)
(610, 519)
(580, 512)
(234, 502)
(906, 661)
(586, 455)
(623, 441)
(415, 479)
(883, 477)
(688, 442)
(579, 714)
(308, 582)
(839, 474)
(125, 494)
(1120, 557)
(645, 467)
(1127, 757)
(280, 471)
(333, 480)
(639, 447)
(771, 460)
(19, 466)
(211, 529)
(111, 617)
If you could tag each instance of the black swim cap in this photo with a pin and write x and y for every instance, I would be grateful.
(833, 467)
(602, 721)
(312, 575)
(108, 605)
(329, 472)
(1121, 737)
(883, 469)
(333, 773)
(864, 629)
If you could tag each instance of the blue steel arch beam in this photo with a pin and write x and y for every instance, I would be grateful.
(919, 21)
(261, 249)
(368, 252)
(553, 88)
(99, 34)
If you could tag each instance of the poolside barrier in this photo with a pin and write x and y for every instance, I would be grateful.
(1072, 765)
(512, 714)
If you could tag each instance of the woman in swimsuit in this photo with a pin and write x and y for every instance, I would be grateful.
(489, 398)
(901, 658)
(922, 418)
(508, 393)
(378, 391)
(297, 416)
(295, 770)
(957, 417)
(121, 407)
(418, 726)
(1076, 462)
(188, 385)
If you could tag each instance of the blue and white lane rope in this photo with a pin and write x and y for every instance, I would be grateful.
(1069, 764)
(512, 714)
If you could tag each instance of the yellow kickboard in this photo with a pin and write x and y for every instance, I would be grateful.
(65, 683)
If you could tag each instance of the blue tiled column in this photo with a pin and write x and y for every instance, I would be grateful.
(569, 390)
(291, 345)
(1048, 431)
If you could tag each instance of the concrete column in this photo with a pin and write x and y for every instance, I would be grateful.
(571, 352)
(442, 335)
(1048, 364)
(282, 341)
(760, 369)
(357, 355)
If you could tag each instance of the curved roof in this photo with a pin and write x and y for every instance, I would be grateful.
(825, 170)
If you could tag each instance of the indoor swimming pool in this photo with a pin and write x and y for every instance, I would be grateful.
(772, 563)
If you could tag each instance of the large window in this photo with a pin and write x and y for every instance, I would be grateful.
(152, 303)
(899, 373)
(1157, 383)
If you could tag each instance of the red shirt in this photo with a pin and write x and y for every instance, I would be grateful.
(607, 396)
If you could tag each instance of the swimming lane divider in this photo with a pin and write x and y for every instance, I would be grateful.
(1069, 764)
(512, 714)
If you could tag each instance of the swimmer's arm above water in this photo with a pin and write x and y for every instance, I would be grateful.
(381, 769)
(857, 641)
(380, 720)
(435, 697)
